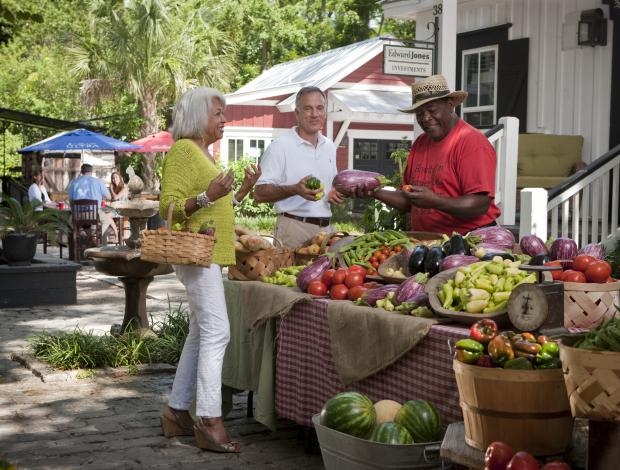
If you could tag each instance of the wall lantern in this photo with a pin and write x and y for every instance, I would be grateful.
(592, 28)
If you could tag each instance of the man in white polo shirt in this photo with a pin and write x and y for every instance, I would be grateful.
(289, 161)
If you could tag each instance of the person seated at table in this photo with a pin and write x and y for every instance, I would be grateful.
(87, 186)
(118, 190)
(37, 192)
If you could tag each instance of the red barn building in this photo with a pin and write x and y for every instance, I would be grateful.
(363, 118)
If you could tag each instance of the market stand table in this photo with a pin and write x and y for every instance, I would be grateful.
(307, 373)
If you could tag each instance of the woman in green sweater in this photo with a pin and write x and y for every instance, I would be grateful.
(201, 194)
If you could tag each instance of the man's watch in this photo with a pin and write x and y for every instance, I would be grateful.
(203, 200)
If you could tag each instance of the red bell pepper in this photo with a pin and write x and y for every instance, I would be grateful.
(483, 330)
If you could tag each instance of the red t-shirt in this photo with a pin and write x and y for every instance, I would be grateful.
(463, 162)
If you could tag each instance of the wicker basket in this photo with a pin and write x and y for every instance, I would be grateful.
(587, 304)
(305, 258)
(592, 380)
(251, 266)
(176, 247)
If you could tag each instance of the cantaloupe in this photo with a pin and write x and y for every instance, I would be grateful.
(386, 410)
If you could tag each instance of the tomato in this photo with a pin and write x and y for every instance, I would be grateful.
(598, 271)
(556, 465)
(556, 274)
(357, 268)
(570, 275)
(581, 262)
(356, 292)
(522, 461)
(339, 276)
(328, 277)
(338, 292)
(354, 279)
(497, 456)
(317, 287)
(382, 257)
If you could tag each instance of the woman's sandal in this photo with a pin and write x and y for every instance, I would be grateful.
(176, 423)
(205, 440)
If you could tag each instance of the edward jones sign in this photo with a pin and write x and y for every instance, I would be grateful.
(400, 60)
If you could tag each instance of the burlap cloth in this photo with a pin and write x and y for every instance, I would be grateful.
(365, 340)
(261, 301)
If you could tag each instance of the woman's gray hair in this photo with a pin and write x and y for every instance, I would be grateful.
(190, 115)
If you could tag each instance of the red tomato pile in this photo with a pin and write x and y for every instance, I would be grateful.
(340, 283)
(585, 268)
(500, 456)
(380, 255)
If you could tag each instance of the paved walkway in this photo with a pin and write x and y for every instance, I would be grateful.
(56, 420)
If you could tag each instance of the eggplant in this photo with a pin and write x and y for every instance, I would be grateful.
(498, 236)
(458, 245)
(372, 295)
(539, 260)
(504, 255)
(313, 271)
(454, 261)
(593, 249)
(408, 289)
(433, 260)
(564, 249)
(416, 260)
(532, 245)
(347, 181)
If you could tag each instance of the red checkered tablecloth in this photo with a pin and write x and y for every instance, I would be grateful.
(306, 376)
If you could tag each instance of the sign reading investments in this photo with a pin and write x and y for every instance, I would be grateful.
(413, 61)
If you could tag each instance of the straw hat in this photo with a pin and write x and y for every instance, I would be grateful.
(432, 88)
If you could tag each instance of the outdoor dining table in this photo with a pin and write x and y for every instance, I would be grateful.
(287, 360)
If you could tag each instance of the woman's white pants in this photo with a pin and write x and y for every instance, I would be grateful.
(199, 371)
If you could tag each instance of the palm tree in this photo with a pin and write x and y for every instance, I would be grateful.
(154, 50)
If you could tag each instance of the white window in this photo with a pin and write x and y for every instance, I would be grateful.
(235, 149)
(479, 79)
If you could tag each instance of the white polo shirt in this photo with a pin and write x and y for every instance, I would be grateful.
(288, 159)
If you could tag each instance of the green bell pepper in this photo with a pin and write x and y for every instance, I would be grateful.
(468, 350)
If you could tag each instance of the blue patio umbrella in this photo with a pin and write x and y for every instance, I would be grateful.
(79, 139)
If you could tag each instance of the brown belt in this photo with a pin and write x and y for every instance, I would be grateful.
(320, 221)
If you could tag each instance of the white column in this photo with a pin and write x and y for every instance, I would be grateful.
(447, 41)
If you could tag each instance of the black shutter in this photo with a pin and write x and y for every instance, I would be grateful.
(512, 80)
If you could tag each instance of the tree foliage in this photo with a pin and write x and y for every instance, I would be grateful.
(121, 64)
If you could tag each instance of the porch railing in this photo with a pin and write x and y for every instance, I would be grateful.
(585, 207)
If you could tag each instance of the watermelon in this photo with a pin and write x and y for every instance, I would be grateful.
(349, 412)
(386, 410)
(421, 419)
(391, 433)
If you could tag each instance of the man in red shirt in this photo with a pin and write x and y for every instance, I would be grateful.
(449, 180)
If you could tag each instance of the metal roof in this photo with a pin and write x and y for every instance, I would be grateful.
(367, 101)
(323, 70)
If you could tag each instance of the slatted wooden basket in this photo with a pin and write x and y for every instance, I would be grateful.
(592, 380)
(587, 304)
(252, 265)
(165, 245)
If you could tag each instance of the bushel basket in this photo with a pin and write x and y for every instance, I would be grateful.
(165, 245)
(592, 380)
(254, 264)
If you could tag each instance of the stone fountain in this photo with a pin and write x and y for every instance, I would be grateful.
(124, 261)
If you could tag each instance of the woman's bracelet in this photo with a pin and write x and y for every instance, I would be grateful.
(202, 200)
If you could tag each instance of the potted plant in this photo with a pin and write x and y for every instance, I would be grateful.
(22, 224)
